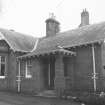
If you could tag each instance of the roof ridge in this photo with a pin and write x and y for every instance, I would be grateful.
(20, 33)
(73, 30)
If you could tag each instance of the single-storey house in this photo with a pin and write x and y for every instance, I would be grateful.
(73, 60)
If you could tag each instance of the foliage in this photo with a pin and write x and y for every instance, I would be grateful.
(92, 99)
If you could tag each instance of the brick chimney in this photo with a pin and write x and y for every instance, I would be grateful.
(84, 18)
(52, 26)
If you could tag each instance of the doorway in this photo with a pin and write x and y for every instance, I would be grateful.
(49, 73)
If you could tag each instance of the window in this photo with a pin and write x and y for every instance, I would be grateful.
(28, 69)
(65, 67)
(104, 67)
(2, 66)
(65, 70)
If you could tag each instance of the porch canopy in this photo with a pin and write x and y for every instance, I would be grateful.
(48, 52)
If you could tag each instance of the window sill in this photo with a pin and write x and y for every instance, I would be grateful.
(28, 77)
(2, 77)
(67, 77)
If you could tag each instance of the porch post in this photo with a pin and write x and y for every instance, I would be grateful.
(19, 78)
(94, 68)
(59, 74)
(49, 74)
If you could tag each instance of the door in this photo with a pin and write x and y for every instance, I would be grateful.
(51, 73)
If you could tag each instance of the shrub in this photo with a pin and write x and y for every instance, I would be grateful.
(92, 99)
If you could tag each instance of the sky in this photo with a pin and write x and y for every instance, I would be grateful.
(28, 16)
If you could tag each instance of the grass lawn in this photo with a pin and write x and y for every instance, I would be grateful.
(7, 98)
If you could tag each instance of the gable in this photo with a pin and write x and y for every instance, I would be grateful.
(4, 47)
(18, 41)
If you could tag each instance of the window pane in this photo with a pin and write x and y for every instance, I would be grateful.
(29, 70)
(2, 69)
(2, 59)
(65, 67)
(29, 62)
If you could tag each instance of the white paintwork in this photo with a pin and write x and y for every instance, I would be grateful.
(19, 78)
(35, 45)
(94, 68)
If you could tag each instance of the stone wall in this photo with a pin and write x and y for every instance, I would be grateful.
(79, 67)
(4, 52)
(11, 73)
(59, 74)
(69, 78)
(98, 57)
(103, 62)
(34, 84)
(83, 68)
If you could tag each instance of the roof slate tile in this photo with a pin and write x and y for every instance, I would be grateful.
(75, 37)
(18, 41)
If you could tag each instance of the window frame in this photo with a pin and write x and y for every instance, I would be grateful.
(65, 61)
(28, 64)
(2, 76)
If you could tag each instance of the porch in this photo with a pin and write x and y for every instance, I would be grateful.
(57, 70)
(50, 72)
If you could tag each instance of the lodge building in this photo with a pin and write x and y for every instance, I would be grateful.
(73, 60)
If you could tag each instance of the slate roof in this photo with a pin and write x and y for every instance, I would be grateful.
(82, 35)
(18, 41)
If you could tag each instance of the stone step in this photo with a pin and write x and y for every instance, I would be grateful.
(47, 93)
